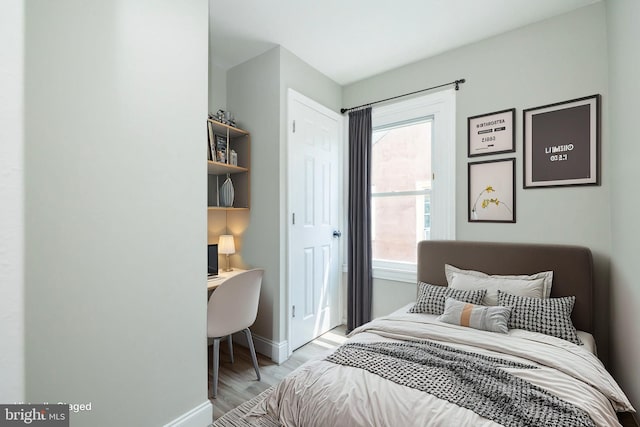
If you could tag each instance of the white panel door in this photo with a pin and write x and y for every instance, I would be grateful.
(314, 215)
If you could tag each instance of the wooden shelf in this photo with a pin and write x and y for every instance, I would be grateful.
(217, 168)
(239, 141)
(222, 129)
(222, 208)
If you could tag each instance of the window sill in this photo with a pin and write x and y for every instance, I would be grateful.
(407, 276)
(394, 274)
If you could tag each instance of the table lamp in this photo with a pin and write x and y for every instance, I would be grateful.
(226, 246)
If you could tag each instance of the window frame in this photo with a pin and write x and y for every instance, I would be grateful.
(440, 108)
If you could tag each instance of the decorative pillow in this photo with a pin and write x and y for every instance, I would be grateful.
(431, 298)
(550, 316)
(492, 319)
(536, 285)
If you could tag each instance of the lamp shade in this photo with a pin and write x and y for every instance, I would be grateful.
(226, 245)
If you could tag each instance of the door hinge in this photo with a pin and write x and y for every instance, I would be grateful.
(293, 218)
(294, 126)
(293, 311)
(433, 176)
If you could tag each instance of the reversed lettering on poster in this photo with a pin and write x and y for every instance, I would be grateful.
(491, 123)
(558, 149)
(491, 133)
(561, 145)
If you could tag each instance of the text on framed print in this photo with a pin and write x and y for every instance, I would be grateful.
(561, 143)
(491, 133)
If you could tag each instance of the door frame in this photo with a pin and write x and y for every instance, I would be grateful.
(293, 96)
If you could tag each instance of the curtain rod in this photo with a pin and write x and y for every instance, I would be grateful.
(455, 82)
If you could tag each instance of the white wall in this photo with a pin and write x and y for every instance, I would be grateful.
(11, 200)
(624, 68)
(116, 98)
(554, 60)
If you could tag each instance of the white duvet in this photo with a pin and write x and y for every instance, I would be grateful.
(321, 393)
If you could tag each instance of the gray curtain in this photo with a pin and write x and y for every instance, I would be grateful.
(359, 287)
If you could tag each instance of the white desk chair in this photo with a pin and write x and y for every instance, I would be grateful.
(232, 308)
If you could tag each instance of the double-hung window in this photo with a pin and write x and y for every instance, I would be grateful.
(413, 181)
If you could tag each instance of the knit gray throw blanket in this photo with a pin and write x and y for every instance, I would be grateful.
(469, 380)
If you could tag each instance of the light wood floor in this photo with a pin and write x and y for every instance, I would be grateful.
(237, 382)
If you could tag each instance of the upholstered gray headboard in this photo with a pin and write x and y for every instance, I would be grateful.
(572, 267)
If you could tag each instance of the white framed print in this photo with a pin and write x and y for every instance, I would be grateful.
(491, 133)
(491, 191)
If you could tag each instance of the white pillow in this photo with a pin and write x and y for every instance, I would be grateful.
(536, 285)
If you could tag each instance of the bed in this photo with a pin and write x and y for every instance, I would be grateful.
(453, 360)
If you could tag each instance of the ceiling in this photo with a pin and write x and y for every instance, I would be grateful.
(354, 39)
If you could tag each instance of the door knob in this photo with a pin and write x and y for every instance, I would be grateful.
(337, 233)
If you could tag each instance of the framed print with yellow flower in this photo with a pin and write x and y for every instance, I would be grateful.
(492, 191)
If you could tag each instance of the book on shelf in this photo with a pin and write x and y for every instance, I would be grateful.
(211, 155)
(221, 149)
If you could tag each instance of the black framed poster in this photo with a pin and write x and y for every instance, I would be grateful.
(492, 191)
(491, 133)
(561, 143)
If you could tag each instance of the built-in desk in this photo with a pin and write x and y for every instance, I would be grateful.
(222, 277)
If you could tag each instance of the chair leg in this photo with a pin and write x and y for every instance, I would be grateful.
(216, 365)
(247, 333)
(230, 341)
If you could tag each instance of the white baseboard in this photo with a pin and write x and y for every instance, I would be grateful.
(276, 351)
(200, 416)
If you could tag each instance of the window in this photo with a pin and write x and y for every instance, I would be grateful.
(412, 143)
(401, 179)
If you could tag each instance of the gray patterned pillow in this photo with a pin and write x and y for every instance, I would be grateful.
(549, 316)
(431, 298)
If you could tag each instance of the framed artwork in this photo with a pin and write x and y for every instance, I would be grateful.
(492, 195)
(491, 133)
(562, 143)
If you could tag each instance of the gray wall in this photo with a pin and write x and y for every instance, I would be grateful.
(217, 74)
(11, 200)
(303, 78)
(116, 97)
(217, 86)
(554, 60)
(253, 95)
(624, 69)
(257, 95)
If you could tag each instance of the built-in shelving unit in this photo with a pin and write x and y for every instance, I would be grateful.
(239, 141)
